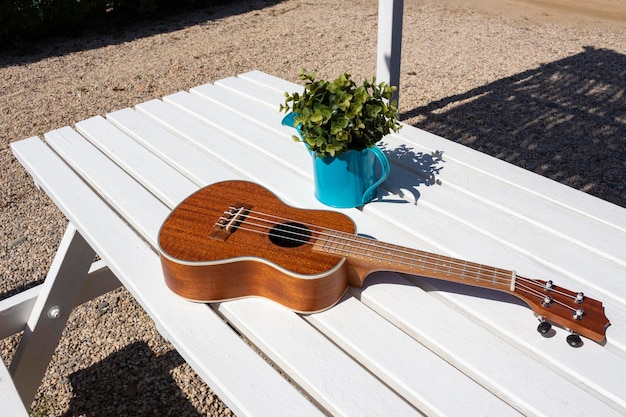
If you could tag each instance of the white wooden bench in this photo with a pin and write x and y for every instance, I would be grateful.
(399, 346)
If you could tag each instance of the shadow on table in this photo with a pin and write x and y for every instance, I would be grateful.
(131, 382)
(411, 171)
(565, 120)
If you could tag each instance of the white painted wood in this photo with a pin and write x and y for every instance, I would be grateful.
(50, 312)
(15, 310)
(80, 167)
(280, 85)
(586, 367)
(571, 261)
(102, 174)
(252, 387)
(217, 145)
(542, 188)
(585, 235)
(9, 398)
(526, 384)
(256, 91)
(393, 355)
(99, 281)
(470, 221)
(389, 49)
(339, 384)
(267, 116)
(473, 184)
(260, 92)
(497, 244)
(186, 158)
(148, 169)
(280, 149)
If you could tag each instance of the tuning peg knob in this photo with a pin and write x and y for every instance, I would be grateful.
(544, 327)
(574, 340)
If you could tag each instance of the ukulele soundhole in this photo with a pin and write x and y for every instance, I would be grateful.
(289, 235)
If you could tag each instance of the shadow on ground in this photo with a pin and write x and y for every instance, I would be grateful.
(131, 382)
(565, 120)
(121, 30)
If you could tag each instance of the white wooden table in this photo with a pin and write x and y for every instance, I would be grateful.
(399, 346)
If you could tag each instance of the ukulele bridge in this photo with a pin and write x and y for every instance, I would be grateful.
(229, 221)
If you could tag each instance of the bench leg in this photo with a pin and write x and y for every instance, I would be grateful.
(58, 296)
(9, 398)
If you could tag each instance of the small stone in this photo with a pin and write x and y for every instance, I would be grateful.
(16, 242)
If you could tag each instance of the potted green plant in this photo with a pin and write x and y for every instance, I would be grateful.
(340, 122)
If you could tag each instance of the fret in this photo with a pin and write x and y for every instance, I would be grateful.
(401, 261)
(437, 264)
(368, 245)
(359, 246)
(332, 244)
(342, 242)
(383, 251)
(370, 251)
(392, 252)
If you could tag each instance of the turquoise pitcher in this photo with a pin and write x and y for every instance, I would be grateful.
(347, 180)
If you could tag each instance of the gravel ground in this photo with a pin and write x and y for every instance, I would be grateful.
(543, 87)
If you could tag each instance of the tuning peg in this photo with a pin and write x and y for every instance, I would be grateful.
(574, 340)
(544, 327)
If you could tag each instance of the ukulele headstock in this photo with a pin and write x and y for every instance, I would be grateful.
(572, 310)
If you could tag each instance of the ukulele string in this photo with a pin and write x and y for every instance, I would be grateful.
(345, 240)
(299, 234)
(331, 236)
(539, 294)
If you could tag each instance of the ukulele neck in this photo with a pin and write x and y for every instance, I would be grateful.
(367, 255)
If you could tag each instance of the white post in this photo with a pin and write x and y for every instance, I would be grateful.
(389, 42)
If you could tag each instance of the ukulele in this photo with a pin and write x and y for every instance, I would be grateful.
(236, 239)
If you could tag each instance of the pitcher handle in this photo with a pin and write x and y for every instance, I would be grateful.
(385, 169)
(290, 120)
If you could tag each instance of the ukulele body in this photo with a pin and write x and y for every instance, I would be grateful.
(207, 261)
